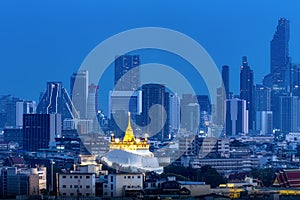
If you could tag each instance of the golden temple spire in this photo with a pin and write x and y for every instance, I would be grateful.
(129, 136)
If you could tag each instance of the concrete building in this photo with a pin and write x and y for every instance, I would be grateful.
(76, 184)
(174, 111)
(40, 171)
(118, 184)
(13, 183)
(264, 122)
(236, 117)
(227, 165)
(40, 130)
(81, 125)
(79, 92)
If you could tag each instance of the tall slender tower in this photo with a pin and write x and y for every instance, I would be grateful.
(280, 60)
(246, 90)
(79, 92)
(225, 78)
(279, 78)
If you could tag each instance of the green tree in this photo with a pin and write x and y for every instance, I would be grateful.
(206, 174)
(265, 175)
(211, 176)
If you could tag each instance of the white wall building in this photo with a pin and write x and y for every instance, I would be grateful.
(118, 183)
(76, 184)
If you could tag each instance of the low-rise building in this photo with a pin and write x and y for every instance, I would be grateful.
(14, 183)
(76, 184)
(119, 184)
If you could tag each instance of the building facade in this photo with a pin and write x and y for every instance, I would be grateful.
(236, 117)
(246, 90)
(117, 184)
(39, 130)
(76, 184)
(79, 92)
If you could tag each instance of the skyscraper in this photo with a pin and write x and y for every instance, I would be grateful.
(280, 77)
(24, 107)
(288, 115)
(264, 122)
(154, 110)
(225, 78)
(126, 64)
(246, 89)
(79, 92)
(295, 76)
(92, 101)
(236, 117)
(92, 106)
(174, 111)
(39, 130)
(120, 103)
(190, 113)
(123, 99)
(280, 59)
(56, 100)
(223, 93)
(204, 103)
(262, 96)
(220, 106)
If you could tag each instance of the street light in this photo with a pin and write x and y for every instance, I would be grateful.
(52, 163)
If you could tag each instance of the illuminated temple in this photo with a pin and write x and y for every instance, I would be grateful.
(131, 154)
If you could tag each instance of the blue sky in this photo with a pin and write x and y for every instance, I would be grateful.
(47, 40)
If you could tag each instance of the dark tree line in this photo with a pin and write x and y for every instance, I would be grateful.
(205, 174)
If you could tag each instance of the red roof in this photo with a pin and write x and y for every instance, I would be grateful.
(17, 161)
(288, 178)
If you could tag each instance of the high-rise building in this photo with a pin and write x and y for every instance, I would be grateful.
(154, 111)
(192, 117)
(125, 97)
(246, 90)
(12, 110)
(126, 64)
(186, 102)
(79, 92)
(236, 117)
(262, 95)
(288, 115)
(264, 122)
(92, 106)
(280, 60)
(204, 110)
(204, 103)
(223, 93)
(174, 111)
(220, 106)
(24, 107)
(56, 100)
(92, 101)
(225, 78)
(120, 103)
(280, 78)
(39, 130)
(295, 79)
(127, 101)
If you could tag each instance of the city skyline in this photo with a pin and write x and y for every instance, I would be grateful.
(150, 100)
(57, 61)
